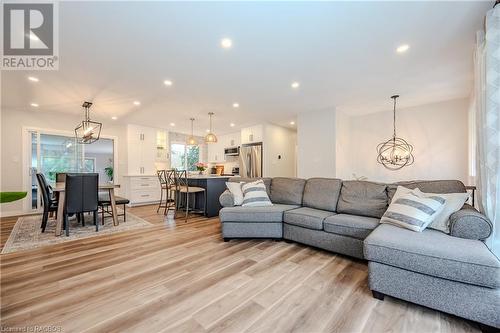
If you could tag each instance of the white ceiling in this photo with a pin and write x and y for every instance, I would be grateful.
(343, 54)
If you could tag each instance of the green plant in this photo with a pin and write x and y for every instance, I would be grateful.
(109, 172)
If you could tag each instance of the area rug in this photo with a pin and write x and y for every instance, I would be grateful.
(27, 233)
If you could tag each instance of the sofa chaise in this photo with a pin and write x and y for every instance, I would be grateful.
(454, 273)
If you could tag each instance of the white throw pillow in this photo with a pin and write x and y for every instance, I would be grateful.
(454, 202)
(255, 194)
(235, 189)
(401, 190)
(413, 210)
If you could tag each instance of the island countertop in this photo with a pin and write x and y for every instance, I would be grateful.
(209, 177)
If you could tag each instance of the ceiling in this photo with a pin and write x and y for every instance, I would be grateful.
(342, 53)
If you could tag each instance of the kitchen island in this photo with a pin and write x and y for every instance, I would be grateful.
(214, 186)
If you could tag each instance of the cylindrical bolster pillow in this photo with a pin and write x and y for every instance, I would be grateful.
(226, 199)
(469, 223)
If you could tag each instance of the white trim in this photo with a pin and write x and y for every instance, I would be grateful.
(19, 213)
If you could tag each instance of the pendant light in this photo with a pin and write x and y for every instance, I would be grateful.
(88, 131)
(191, 140)
(395, 153)
(210, 137)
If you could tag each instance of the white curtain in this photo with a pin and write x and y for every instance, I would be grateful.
(487, 117)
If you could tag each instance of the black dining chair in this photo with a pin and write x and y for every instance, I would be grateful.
(81, 193)
(49, 203)
(105, 205)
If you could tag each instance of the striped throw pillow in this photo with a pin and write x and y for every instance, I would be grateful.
(413, 210)
(255, 194)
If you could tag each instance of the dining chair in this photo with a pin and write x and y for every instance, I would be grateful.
(105, 204)
(49, 203)
(183, 189)
(81, 191)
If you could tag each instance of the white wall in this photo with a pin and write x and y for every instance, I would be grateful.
(438, 132)
(12, 148)
(279, 142)
(316, 144)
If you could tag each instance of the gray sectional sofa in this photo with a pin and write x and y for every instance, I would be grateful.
(455, 273)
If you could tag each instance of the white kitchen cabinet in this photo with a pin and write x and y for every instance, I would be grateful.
(252, 134)
(233, 140)
(216, 151)
(141, 149)
(162, 146)
(142, 190)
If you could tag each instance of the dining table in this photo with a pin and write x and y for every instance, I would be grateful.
(59, 189)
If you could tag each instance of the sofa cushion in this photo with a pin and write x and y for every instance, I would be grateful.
(254, 214)
(428, 186)
(267, 182)
(434, 253)
(287, 190)
(362, 198)
(350, 225)
(306, 217)
(322, 193)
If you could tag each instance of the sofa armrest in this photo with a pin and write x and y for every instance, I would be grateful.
(470, 223)
(226, 199)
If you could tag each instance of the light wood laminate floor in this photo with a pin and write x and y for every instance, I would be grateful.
(181, 277)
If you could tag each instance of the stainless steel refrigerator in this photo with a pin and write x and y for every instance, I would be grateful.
(251, 160)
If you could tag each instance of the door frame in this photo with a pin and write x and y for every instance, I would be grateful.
(26, 157)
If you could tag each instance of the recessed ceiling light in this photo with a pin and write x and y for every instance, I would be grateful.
(172, 124)
(35, 105)
(137, 103)
(295, 85)
(292, 123)
(168, 83)
(236, 105)
(114, 117)
(403, 48)
(226, 43)
(232, 124)
(33, 79)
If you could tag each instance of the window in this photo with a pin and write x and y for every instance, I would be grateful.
(184, 157)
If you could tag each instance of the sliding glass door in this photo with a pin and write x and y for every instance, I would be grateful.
(55, 153)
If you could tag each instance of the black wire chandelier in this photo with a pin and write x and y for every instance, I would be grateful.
(88, 131)
(395, 153)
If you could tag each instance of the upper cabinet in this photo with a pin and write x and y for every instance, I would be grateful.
(162, 146)
(233, 140)
(143, 149)
(252, 134)
(216, 150)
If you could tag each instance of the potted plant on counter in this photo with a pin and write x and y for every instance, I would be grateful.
(201, 167)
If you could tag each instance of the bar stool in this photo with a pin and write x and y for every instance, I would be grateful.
(182, 187)
(162, 177)
(171, 202)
